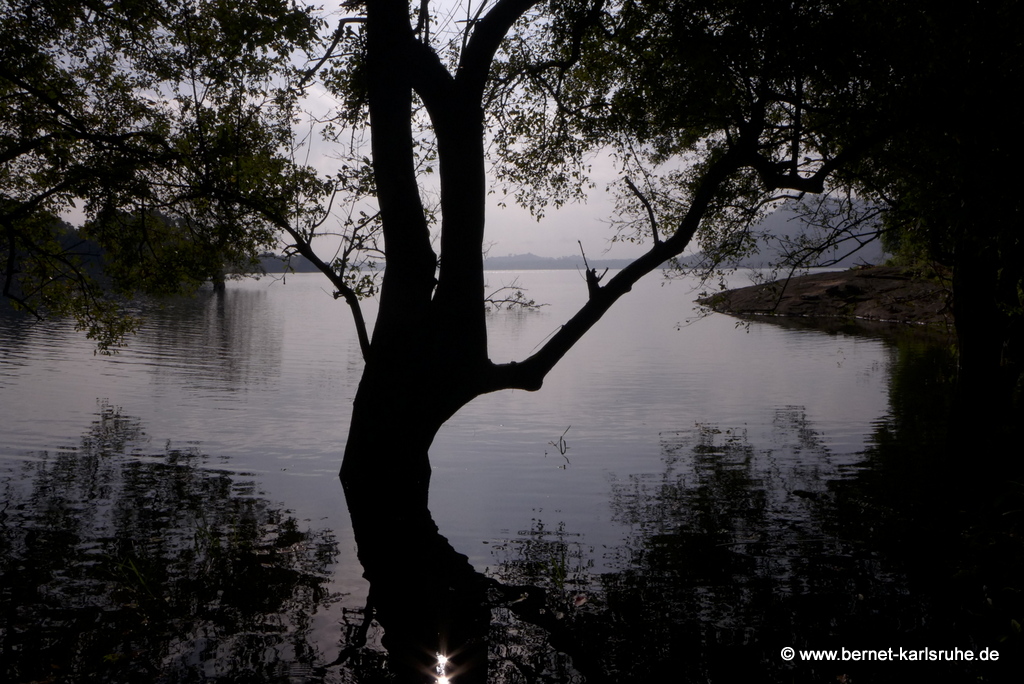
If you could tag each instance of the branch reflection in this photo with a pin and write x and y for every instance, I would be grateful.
(120, 565)
(436, 609)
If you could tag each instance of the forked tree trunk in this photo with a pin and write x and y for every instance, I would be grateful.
(428, 356)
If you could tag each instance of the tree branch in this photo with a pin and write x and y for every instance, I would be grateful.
(408, 282)
(647, 206)
(530, 373)
(75, 126)
(579, 29)
(343, 290)
(303, 247)
(339, 33)
(488, 32)
(593, 280)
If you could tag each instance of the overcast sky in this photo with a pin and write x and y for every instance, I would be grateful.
(509, 230)
(512, 230)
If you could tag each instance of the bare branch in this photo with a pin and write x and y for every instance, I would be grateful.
(303, 246)
(530, 373)
(517, 300)
(647, 206)
(423, 22)
(593, 280)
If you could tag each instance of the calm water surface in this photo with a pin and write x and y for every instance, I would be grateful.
(677, 476)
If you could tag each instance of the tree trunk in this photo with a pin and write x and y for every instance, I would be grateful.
(986, 270)
(985, 296)
(980, 323)
(427, 597)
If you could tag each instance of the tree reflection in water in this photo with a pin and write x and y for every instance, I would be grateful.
(744, 546)
(442, 618)
(122, 566)
(752, 539)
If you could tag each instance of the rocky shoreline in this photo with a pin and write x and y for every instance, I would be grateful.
(875, 293)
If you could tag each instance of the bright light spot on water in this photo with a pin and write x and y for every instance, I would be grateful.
(442, 667)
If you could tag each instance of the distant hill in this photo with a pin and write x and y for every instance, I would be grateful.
(272, 263)
(532, 262)
(784, 229)
(777, 233)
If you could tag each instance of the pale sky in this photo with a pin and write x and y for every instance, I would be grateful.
(512, 230)
(509, 230)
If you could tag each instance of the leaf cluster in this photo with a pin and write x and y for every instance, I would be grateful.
(668, 88)
(167, 123)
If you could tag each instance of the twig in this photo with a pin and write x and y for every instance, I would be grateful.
(647, 205)
(593, 280)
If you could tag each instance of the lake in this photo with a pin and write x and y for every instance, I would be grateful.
(697, 493)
